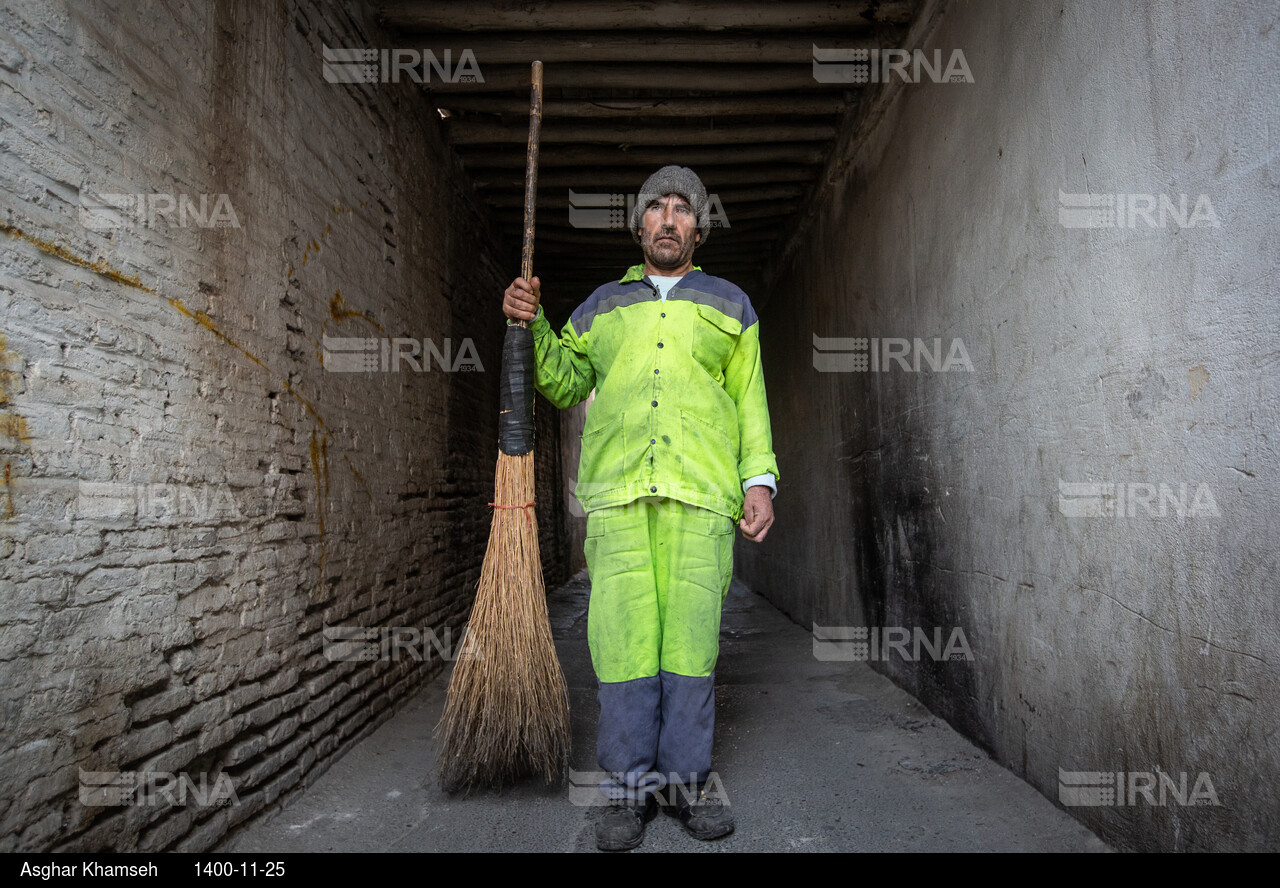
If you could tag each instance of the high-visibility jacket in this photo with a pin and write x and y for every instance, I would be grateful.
(680, 408)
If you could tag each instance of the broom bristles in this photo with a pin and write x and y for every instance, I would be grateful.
(507, 712)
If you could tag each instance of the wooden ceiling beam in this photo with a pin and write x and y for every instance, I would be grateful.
(728, 197)
(467, 133)
(647, 158)
(561, 47)
(493, 181)
(560, 219)
(690, 76)
(622, 15)
(769, 103)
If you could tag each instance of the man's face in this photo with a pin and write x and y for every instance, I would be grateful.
(669, 232)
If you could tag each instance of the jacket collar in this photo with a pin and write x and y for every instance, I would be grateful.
(636, 273)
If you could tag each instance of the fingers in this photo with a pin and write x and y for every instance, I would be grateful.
(532, 288)
(757, 518)
(756, 532)
(521, 299)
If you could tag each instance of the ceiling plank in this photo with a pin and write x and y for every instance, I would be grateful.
(691, 76)
(728, 197)
(667, 15)
(554, 219)
(629, 179)
(799, 104)
(644, 156)
(559, 47)
(461, 132)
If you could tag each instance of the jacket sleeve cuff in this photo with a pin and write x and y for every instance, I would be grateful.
(539, 317)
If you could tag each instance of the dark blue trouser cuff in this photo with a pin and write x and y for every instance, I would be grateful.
(653, 731)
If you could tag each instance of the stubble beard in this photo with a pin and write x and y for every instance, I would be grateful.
(667, 256)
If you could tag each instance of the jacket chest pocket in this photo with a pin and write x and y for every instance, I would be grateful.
(714, 338)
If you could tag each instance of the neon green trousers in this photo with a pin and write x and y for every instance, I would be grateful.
(660, 570)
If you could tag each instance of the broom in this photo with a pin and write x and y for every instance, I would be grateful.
(507, 713)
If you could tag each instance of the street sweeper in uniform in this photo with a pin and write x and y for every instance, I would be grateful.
(677, 447)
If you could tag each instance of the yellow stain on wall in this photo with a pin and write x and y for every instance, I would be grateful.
(7, 376)
(9, 511)
(320, 469)
(15, 437)
(98, 267)
(15, 426)
(313, 245)
(338, 311)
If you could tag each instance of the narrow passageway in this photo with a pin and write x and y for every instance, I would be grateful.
(812, 755)
(986, 289)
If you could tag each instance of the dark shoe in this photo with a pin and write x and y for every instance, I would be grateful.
(621, 826)
(705, 817)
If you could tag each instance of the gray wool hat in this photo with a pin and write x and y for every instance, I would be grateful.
(673, 180)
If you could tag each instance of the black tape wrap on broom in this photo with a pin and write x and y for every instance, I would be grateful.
(515, 398)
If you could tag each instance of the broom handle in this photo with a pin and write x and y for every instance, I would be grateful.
(531, 175)
(516, 386)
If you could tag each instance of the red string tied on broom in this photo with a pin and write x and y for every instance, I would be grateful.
(526, 507)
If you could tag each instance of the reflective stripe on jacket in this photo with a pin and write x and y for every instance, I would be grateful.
(680, 406)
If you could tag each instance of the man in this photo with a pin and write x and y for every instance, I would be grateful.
(677, 446)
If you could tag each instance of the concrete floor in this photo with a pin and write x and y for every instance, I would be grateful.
(813, 756)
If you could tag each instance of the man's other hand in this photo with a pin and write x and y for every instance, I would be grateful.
(757, 513)
(520, 301)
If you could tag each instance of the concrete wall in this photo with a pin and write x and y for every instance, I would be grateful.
(188, 495)
(1133, 356)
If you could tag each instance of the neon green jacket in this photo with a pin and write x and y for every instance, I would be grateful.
(680, 408)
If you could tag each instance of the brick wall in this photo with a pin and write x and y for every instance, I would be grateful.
(189, 496)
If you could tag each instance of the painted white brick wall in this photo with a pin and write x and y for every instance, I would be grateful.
(187, 495)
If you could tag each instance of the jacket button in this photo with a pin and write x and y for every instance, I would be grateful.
(654, 403)
(659, 345)
(653, 490)
(664, 314)
(653, 440)
(655, 369)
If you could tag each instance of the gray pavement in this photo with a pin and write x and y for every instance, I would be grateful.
(814, 756)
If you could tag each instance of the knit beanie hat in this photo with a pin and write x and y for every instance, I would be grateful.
(673, 180)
